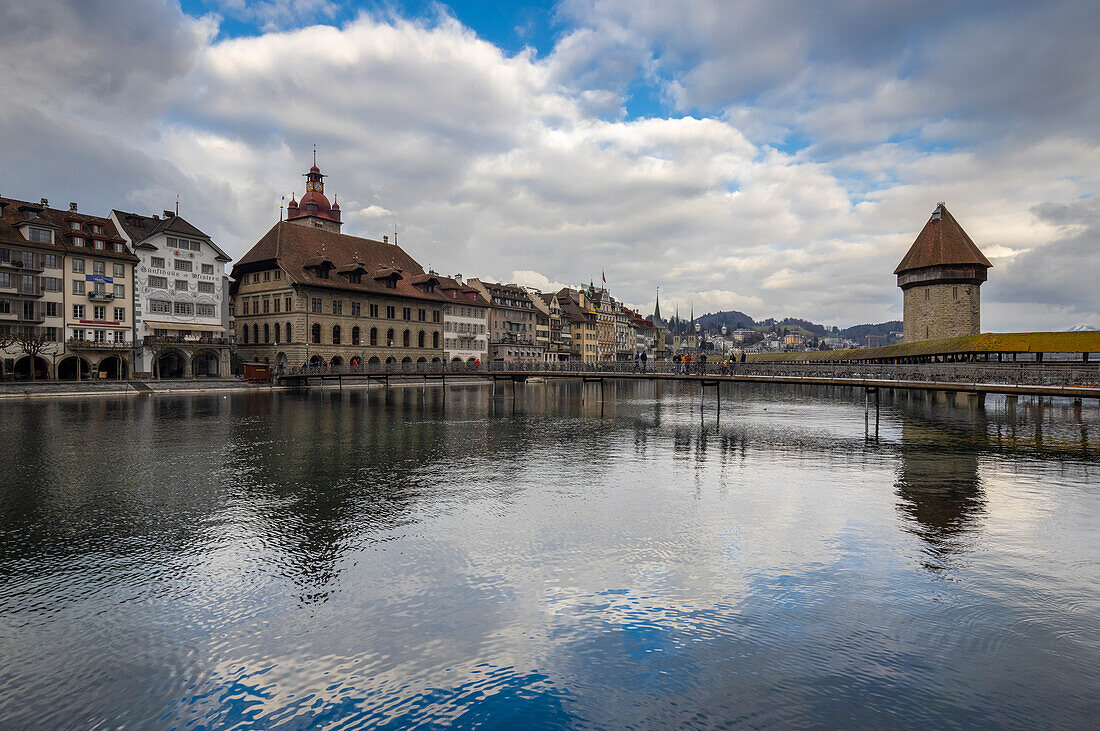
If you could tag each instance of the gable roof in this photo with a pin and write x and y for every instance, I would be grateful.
(139, 228)
(941, 241)
(293, 246)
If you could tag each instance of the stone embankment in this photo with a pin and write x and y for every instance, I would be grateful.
(57, 389)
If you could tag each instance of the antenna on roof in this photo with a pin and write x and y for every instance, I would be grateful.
(281, 201)
(314, 154)
(177, 204)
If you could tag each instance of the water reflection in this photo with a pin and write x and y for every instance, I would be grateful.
(560, 556)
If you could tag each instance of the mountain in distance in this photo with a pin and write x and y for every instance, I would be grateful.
(1082, 327)
(734, 319)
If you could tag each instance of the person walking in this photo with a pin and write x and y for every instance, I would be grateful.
(644, 358)
(702, 364)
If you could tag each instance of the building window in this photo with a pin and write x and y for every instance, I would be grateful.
(267, 305)
(405, 339)
(926, 294)
(53, 309)
(278, 274)
(78, 286)
(355, 335)
(98, 245)
(99, 313)
(316, 333)
(420, 339)
(337, 307)
(406, 313)
(435, 340)
(52, 261)
(207, 268)
(316, 305)
(372, 310)
(287, 302)
(118, 270)
(955, 292)
(275, 305)
(267, 276)
(182, 265)
(289, 336)
(355, 277)
(51, 284)
(157, 262)
(158, 282)
(391, 312)
(78, 312)
(206, 287)
(160, 306)
(78, 266)
(267, 333)
(435, 315)
(335, 334)
(181, 285)
(244, 334)
(99, 267)
(256, 334)
(183, 308)
(78, 241)
(356, 309)
(120, 314)
(96, 228)
(422, 315)
(41, 235)
(374, 336)
(278, 330)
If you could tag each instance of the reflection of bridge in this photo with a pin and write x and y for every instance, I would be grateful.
(1072, 380)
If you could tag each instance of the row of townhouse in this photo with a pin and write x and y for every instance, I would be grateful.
(129, 294)
(75, 288)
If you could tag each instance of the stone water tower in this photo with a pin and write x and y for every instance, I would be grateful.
(940, 278)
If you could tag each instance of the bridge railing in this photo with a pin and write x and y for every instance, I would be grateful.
(994, 373)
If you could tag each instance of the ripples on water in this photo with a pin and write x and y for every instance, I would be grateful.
(388, 559)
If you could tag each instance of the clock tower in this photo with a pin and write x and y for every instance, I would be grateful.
(314, 208)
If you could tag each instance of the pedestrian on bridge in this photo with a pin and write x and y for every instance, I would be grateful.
(644, 358)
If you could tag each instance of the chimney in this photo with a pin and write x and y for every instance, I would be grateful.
(72, 207)
(385, 239)
(168, 214)
(45, 203)
(458, 278)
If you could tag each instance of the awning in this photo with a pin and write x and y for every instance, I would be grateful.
(157, 325)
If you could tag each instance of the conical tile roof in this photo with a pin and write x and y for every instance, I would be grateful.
(941, 241)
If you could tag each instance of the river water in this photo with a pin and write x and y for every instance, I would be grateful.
(391, 559)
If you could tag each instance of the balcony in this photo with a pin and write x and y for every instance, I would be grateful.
(34, 266)
(95, 296)
(79, 344)
(184, 340)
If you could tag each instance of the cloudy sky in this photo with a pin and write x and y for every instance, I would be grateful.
(775, 157)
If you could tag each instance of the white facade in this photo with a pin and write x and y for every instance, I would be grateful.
(465, 332)
(180, 292)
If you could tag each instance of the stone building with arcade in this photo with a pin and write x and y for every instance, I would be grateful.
(307, 294)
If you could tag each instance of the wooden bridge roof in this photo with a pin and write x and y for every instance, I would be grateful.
(1034, 342)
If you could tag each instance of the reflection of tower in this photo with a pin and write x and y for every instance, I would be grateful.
(938, 485)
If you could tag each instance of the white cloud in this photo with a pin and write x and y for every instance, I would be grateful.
(491, 164)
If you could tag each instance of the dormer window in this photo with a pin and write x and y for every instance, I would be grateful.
(78, 241)
(96, 228)
(355, 277)
(99, 243)
(74, 225)
(40, 235)
(118, 248)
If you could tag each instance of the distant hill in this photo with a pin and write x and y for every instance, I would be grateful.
(860, 332)
(732, 319)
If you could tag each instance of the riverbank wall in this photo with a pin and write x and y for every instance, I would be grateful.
(69, 389)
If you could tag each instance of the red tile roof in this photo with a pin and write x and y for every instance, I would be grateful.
(941, 241)
(293, 247)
